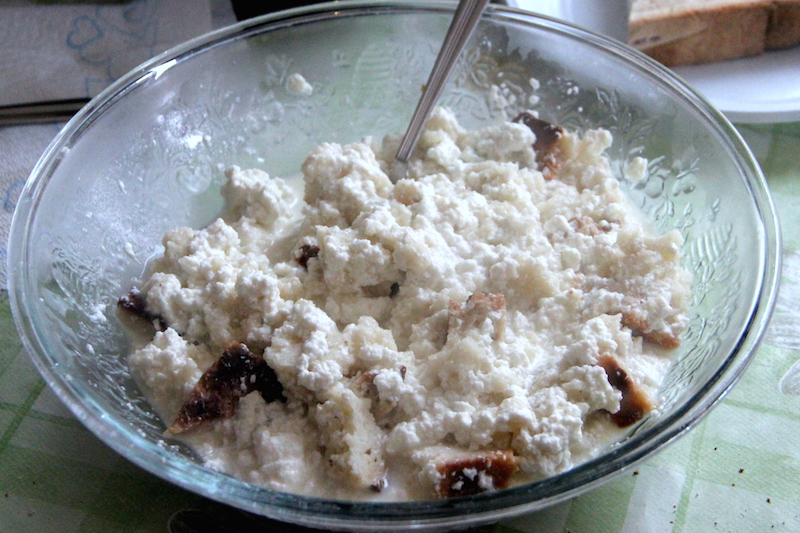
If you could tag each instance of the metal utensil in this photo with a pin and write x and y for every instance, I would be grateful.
(464, 21)
(40, 112)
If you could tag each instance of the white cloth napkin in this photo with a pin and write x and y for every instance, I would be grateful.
(67, 50)
(72, 49)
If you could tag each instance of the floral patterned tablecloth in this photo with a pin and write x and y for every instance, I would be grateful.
(737, 471)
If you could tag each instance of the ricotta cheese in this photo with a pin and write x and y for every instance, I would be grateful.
(297, 85)
(494, 318)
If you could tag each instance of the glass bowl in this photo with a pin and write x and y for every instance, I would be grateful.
(146, 155)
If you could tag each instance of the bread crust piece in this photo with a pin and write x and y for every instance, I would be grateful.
(783, 28)
(700, 35)
(688, 33)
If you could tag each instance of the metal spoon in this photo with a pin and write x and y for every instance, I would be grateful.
(40, 112)
(464, 21)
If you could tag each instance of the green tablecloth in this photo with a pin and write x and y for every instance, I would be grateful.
(739, 470)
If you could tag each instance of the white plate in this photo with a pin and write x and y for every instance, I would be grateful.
(764, 88)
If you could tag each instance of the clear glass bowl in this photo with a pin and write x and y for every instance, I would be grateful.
(146, 155)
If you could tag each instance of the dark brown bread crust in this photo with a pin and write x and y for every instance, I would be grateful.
(635, 403)
(546, 146)
(783, 26)
(237, 373)
(469, 474)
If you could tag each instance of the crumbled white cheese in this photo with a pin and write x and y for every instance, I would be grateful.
(372, 310)
(636, 169)
(297, 85)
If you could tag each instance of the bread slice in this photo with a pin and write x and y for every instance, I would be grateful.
(687, 32)
(783, 27)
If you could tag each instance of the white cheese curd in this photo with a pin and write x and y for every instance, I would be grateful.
(487, 313)
(297, 85)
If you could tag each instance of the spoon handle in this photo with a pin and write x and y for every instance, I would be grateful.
(40, 112)
(464, 21)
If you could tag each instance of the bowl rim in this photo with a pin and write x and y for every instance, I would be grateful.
(365, 515)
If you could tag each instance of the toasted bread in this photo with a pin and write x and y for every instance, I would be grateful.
(686, 32)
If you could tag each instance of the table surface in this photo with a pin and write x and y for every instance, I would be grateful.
(736, 471)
